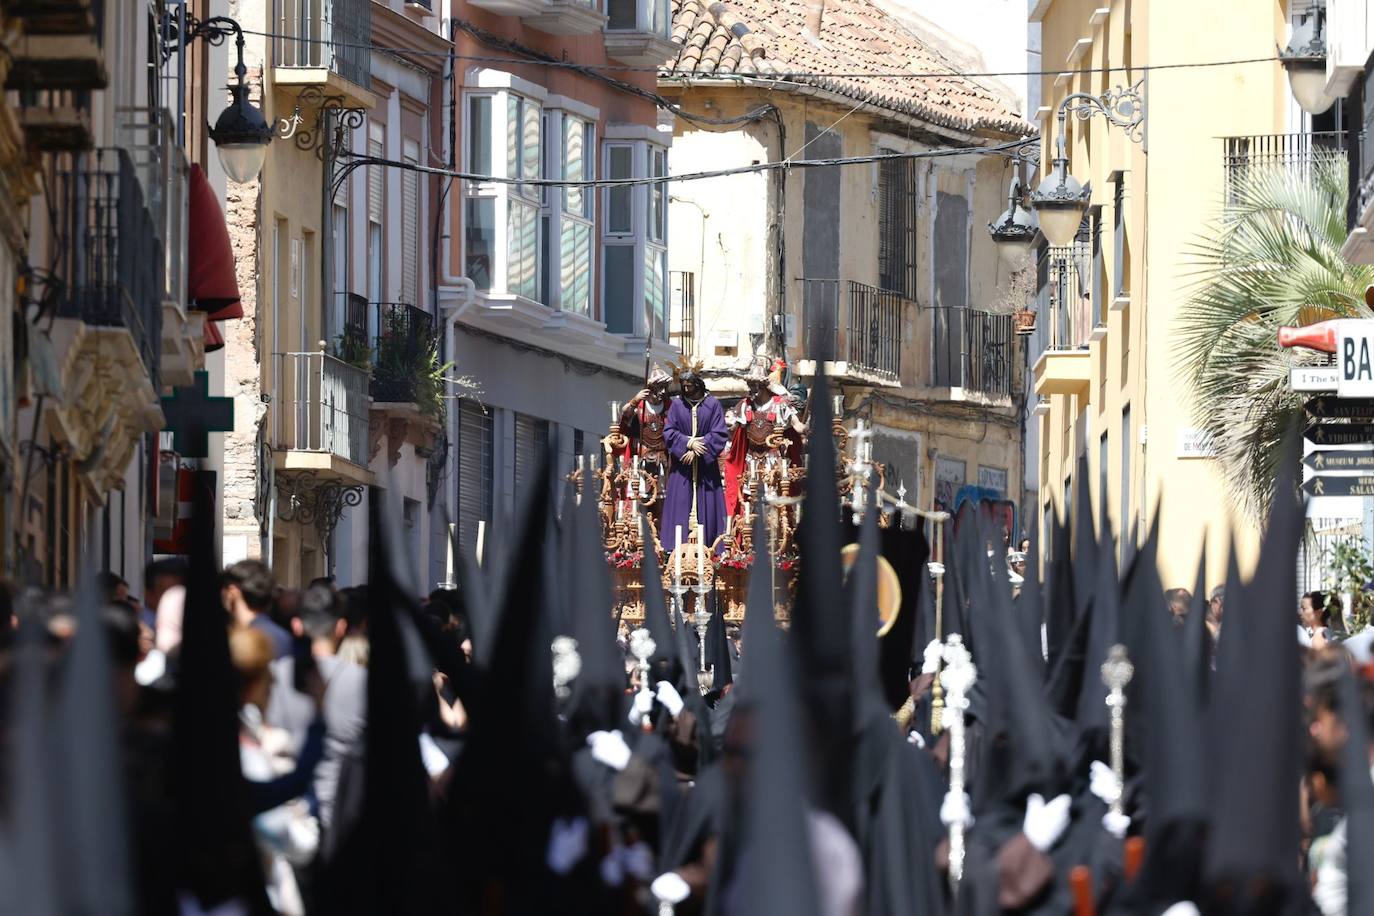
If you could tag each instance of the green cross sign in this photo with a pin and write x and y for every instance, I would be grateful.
(192, 415)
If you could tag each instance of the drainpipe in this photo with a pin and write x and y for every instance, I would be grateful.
(468, 297)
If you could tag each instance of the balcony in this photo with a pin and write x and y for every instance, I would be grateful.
(405, 350)
(148, 134)
(1068, 316)
(639, 32)
(320, 416)
(972, 351)
(1244, 158)
(325, 43)
(567, 17)
(60, 48)
(854, 328)
(1359, 215)
(109, 270)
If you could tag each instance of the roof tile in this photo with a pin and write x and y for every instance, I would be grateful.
(769, 38)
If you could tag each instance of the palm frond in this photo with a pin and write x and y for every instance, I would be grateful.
(1272, 257)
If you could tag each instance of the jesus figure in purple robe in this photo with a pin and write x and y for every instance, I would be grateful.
(695, 436)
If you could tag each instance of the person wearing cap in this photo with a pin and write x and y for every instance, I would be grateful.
(643, 418)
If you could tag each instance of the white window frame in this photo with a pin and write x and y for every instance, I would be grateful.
(644, 143)
(559, 114)
(502, 87)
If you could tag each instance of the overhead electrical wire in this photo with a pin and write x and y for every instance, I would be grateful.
(352, 162)
(668, 73)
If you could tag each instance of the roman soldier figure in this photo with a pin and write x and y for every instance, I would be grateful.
(643, 419)
(753, 422)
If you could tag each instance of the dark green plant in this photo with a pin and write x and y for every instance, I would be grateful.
(408, 365)
(353, 350)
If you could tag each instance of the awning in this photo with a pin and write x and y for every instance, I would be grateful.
(214, 340)
(211, 285)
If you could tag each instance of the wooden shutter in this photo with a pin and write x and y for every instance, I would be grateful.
(410, 228)
(474, 471)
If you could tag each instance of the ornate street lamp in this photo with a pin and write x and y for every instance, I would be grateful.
(1060, 201)
(1305, 61)
(1013, 231)
(241, 133)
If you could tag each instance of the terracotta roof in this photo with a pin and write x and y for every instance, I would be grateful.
(769, 39)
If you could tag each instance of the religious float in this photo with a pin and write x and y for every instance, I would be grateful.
(763, 470)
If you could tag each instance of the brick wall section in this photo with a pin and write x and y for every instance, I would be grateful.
(242, 368)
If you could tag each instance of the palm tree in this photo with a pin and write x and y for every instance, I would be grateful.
(1272, 258)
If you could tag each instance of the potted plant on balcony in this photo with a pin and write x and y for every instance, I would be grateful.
(407, 367)
(1018, 298)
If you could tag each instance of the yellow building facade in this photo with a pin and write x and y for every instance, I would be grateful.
(1109, 384)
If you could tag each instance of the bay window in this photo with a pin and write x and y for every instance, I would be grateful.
(635, 236)
(504, 139)
(569, 211)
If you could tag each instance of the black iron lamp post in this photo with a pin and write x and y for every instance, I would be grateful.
(1305, 61)
(1060, 201)
(241, 133)
(1014, 231)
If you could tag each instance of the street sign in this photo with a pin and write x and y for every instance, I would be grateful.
(1356, 459)
(1355, 358)
(1336, 408)
(1340, 486)
(1314, 378)
(1340, 433)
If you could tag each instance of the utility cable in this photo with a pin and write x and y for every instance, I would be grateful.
(670, 73)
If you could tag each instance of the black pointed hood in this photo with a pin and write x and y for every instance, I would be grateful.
(218, 859)
(1085, 542)
(861, 600)
(34, 829)
(776, 874)
(1196, 657)
(667, 658)
(389, 858)
(1254, 819)
(1103, 632)
(899, 660)
(1060, 600)
(95, 863)
(598, 691)
(512, 779)
(1029, 607)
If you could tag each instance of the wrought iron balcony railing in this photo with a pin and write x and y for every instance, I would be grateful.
(322, 406)
(402, 349)
(111, 260)
(1064, 297)
(326, 34)
(856, 323)
(1246, 157)
(972, 349)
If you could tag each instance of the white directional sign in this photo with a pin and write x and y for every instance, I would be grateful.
(1355, 359)
(1313, 378)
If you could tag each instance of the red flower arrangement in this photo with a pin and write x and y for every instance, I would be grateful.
(621, 559)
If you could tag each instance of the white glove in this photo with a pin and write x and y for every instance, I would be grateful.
(931, 657)
(433, 757)
(914, 737)
(1045, 821)
(643, 705)
(1103, 782)
(567, 844)
(955, 810)
(610, 749)
(153, 666)
(670, 888)
(1116, 824)
(638, 860)
(667, 695)
(1182, 908)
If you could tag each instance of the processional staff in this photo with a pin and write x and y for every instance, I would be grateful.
(959, 675)
(1117, 672)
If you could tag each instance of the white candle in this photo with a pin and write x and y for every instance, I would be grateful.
(619, 511)
(448, 562)
(481, 539)
(701, 555)
(677, 554)
(615, 412)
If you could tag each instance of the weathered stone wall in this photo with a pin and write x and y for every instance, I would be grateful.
(242, 367)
